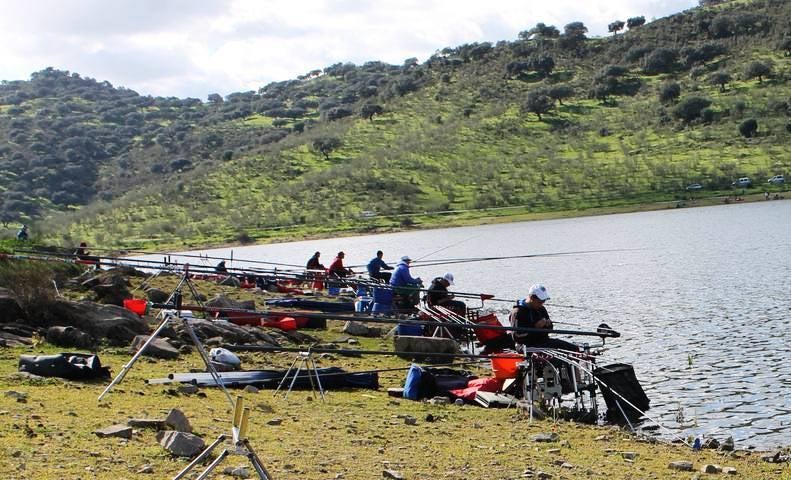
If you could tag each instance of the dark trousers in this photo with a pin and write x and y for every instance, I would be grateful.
(384, 276)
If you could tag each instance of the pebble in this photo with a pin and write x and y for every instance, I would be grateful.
(409, 420)
(629, 455)
(275, 421)
(730, 471)
(710, 468)
(250, 389)
(546, 437)
(146, 469)
(683, 465)
(395, 475)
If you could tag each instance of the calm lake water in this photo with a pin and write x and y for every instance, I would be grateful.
(700, 295)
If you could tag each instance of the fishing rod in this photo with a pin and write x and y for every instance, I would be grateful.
(451, 261)
(271, 273)
(602, 331)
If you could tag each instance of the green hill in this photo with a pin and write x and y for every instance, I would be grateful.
(551, 121)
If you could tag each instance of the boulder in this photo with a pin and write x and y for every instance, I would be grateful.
(181, 444)
(425, 345)
(69, 337)
(221, 301)
(361, 329)
(156, 295)
(230, 281)
(10, 310)
(111, 286)
(178, 421)
(117, 324)
(158, 348)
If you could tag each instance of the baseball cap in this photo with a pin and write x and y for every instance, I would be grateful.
(406, 258)
(449, 277)
(539, 291)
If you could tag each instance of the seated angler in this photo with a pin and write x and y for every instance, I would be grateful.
(530, 313)
(438, 295)
(375, 267)
(337, 269)
(404, 286)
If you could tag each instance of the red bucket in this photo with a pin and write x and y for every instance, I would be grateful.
(136, 305)
(488, 334)
(504, 365)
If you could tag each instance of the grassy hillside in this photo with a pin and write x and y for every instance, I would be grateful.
(641, 115)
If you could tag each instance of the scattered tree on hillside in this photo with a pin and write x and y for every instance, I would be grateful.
(721, 78)
(690, 108)
(560, 91)
(635, 22)
(661, 60)
(542, 63)
(215, 98)
(785, 46)
(573, 35)
(538, 102)
(702, 54)
(723, 26)
(669, 92)
(516, 69)
(757, 69)
(326, 145)
(748, 128)
(369, 110)
(540, 32)
(615, 27)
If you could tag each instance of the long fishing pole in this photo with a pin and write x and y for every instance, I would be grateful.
(451, 261)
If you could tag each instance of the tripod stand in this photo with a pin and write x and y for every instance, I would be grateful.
(174, 302)
(241, 446)
(306, 362)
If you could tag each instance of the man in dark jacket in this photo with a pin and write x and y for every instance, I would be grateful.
(438, 295)
(375, 267)
(530, 313)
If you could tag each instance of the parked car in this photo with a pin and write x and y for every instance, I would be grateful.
(693, 187)
(777, 180)
(743, 182)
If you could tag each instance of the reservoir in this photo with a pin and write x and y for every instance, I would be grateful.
(701, 296)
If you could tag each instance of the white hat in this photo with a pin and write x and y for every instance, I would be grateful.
(539, 291)
(406, 258)
(449, 277)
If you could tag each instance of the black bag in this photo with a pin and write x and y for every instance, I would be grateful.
(438, 380)
(616, 381)
(72, 366)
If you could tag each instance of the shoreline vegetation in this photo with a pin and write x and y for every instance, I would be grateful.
(470, 218)
(48, 425)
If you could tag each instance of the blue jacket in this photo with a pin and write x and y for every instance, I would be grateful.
(401, 276)
(376, 264)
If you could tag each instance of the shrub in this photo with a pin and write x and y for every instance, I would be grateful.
(669, 92)
(690, 108)
(748, 128)
(31, 283)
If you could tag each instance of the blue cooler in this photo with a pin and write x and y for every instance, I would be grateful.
(407, 330)
(382, 308)
(334, 290)
(383, 295)
(363, 304)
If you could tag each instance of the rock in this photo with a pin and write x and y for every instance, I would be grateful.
(111, 286)
(239, 472)
(730, 471)
(151, 423)
(10, 310)
(69, 337)
(546, 437)
(275, 422)
(361, 330)
(121, 431)
(543, 475)
(181, 444)
(439, 400)
(410, 420)
(117, 324)
(156, 295)
(727, 445)
(395, 475)
(145, 469)
(419, 347)
(629, 455)
(158, 348)
(178, 421)
(711, 443)
(221, 301)
(395, 392)
(773, 457)
(20, 397)
(459, 402)
(566, 465)
(8, 339)
(230, 281)
(250, 389)
(709, 468)
(188, 389)
(683, 465)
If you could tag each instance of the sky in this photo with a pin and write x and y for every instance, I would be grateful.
(192, 48)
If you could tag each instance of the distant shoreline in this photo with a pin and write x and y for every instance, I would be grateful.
(450, 222)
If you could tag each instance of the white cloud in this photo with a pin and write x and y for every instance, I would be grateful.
(193, 48)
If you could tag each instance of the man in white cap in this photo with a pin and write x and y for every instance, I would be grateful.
(438, 295)
(530, 313)
(406, 287)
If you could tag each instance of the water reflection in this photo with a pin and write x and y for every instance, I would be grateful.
(700, 295)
